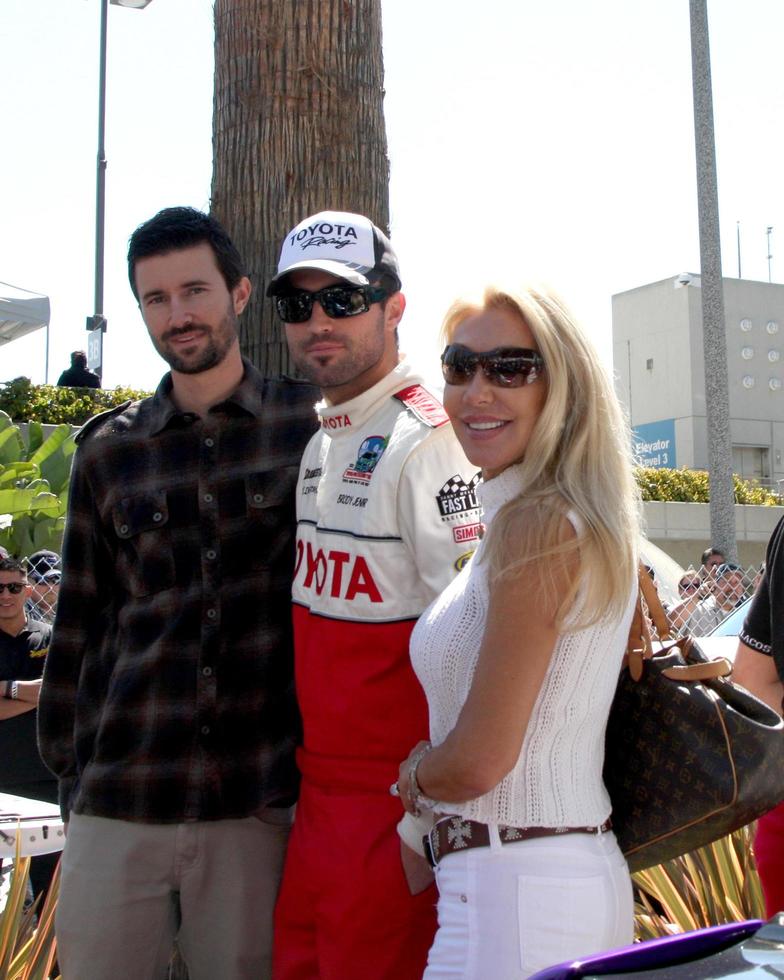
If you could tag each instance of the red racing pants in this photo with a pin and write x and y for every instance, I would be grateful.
(769, 854)
(344, 910)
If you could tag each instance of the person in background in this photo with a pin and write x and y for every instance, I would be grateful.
(759, 667)
(710, 560)
(46, 592)
(519, 657)
(386, 513)
(44, 574)
(41, 562)
(78, 375)
(167, 709)
(730, 587)
(24, 642)
(719, 593)
(688, 584)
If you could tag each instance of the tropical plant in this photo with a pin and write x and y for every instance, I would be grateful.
(27, 941)
(34, 486)
(715, 884)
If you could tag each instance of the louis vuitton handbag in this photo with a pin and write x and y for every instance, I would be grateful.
(689, 756)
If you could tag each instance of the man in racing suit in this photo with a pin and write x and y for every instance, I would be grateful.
(386, 514)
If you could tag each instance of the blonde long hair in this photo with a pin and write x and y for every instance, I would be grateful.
(578, 458)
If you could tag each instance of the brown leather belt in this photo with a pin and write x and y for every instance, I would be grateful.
(452, 834)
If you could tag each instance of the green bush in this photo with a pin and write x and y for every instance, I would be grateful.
(692, 486)
(25, 402)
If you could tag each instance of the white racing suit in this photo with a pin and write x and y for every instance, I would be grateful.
(387, 513)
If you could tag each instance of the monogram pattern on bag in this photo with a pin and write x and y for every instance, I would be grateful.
(687, 762)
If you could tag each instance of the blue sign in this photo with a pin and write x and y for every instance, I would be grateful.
(654, 444)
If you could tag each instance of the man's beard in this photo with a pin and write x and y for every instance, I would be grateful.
(220, 340)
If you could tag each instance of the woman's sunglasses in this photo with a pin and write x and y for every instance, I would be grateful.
(690, 585)
(338, 302)
(13, 587)
(506, 367)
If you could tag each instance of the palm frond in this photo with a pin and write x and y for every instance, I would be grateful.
(715, 884)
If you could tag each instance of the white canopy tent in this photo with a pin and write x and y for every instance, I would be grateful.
(21, 312)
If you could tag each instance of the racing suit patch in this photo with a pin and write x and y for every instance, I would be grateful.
(456, 498)
(426, 407)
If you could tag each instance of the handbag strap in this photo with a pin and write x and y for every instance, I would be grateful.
(639, 646)
(653, 602)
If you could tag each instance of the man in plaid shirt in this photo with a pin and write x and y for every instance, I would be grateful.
(167, 710)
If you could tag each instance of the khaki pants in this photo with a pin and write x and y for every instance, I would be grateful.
(129, 889)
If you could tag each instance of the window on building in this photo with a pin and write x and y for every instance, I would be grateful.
(751, 462)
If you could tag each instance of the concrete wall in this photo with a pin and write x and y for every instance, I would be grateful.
(652, 356)
(683, 530)
(48, 429)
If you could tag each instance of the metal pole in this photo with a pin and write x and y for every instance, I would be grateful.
(100, 172)
(714, 336)
(737, 228)
(97, 319)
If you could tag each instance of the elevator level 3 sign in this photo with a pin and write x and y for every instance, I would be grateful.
(654, 444)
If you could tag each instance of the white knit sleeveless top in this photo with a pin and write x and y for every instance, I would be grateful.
(557, 780)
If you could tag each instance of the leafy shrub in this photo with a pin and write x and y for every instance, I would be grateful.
(692, 486)
(25, 402)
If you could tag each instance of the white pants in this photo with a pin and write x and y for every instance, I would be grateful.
(128, 889)
(506, 911)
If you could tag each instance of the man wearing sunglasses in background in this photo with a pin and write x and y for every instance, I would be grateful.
(24, 642)
(386, 515)
(167, 707)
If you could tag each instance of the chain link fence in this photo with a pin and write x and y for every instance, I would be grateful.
(43, 573)
(705, 597)
(708, 595)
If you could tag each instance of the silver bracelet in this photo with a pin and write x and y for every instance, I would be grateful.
(416, 797)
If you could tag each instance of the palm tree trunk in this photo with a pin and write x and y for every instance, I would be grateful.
(714, 329)
(298, 127)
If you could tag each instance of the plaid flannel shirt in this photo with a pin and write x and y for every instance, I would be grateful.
(168, 690)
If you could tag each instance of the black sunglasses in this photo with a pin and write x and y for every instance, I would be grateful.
(13, 587)
(506, 367)
(338, 302)
(690, 584)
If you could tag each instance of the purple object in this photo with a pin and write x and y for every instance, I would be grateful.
(655, 954)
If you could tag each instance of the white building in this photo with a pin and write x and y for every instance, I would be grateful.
(660, 377)
(659, 367)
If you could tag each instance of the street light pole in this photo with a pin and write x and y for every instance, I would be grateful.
(100, 177)
(96, 324)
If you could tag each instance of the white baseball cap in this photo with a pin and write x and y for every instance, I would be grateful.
(346, 245)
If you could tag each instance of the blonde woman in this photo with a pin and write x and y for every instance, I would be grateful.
(520, 656)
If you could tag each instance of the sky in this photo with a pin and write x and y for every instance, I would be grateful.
(529, 140)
